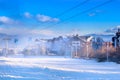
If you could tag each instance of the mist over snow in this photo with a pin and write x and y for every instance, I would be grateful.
(22, 39)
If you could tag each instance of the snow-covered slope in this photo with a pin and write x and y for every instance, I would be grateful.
(105, 37)
(107, 34)
(56, 68)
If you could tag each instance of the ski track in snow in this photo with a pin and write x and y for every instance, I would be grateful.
(56, 68)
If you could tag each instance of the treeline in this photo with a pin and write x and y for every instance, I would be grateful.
(105, 53)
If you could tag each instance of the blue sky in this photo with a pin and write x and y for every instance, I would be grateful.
(40, 16)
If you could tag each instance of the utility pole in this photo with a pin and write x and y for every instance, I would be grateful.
(38, 46)
(107, 50)
(6, 45)
(87, 50)
(15, 48)
(87, 45)
(116, 41)
(71, 51)
(75, 44)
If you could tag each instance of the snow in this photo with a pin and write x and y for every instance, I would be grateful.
(56, 68)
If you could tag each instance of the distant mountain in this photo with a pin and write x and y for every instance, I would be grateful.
(105, 37)
(2, 35)
(107, 34)
(112, 30)
(96, 35)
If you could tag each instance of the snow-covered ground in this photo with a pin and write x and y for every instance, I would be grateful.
(56, 68)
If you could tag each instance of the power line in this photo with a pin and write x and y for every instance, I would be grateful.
(72, 8)
(85, 11)
(100, 5)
